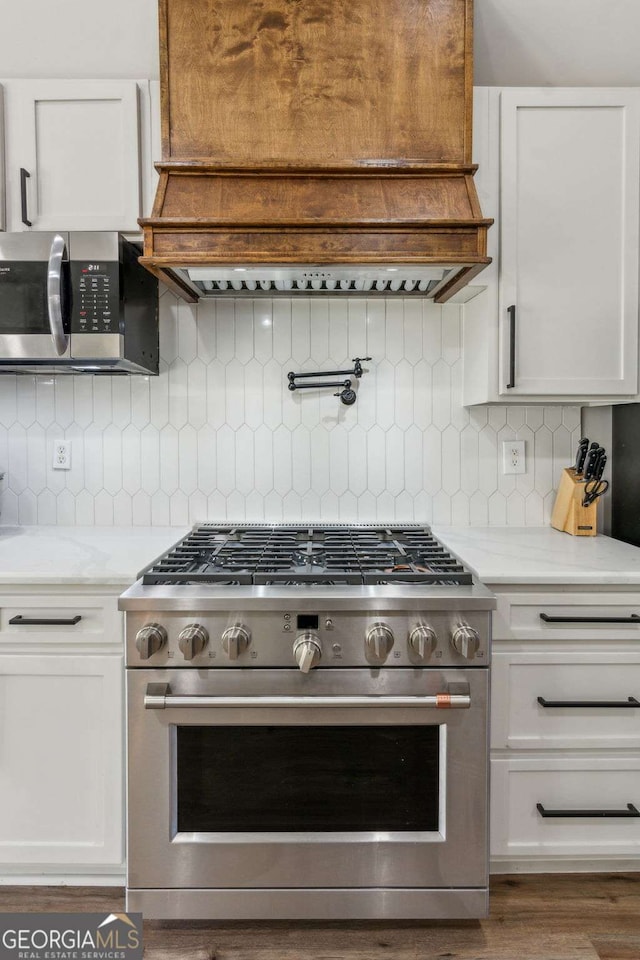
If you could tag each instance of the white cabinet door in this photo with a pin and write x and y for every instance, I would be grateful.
(570, 163)
(78, 142)
(61, 777)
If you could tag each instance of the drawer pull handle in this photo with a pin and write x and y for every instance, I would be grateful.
(630, 702)
(631, 811)
(634, 618)
(20, 621)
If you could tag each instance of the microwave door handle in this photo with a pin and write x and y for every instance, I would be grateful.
(54, 295)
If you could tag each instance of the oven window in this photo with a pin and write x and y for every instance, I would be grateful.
(315, 778)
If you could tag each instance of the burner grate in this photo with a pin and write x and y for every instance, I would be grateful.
(334, 554)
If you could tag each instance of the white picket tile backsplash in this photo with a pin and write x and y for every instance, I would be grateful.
(218, 435)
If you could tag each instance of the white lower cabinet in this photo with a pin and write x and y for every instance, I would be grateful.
(539, 807)
(554, 698)
(61, 737)
(61, 761)
(565, 730)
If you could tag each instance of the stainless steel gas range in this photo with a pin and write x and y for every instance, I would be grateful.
(307, 727)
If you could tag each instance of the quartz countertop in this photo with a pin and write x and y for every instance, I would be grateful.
(115, 555)
(81, 555)
(541, 555)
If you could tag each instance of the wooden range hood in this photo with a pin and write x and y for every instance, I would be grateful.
(316, 145)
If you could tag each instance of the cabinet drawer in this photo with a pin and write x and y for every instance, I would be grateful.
(567, 616)
(582, 682)
(567, 785)
(49, 620)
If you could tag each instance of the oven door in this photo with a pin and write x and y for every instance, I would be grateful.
(34, 299)
(341, 778)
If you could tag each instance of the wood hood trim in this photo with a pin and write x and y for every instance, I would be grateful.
(338, 138)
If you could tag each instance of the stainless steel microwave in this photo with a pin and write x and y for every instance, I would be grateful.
(75, 303)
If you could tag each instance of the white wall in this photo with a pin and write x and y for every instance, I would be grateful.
(218, 435)
(557, 42)
(519, 42)
(79, 38)
(154, 451)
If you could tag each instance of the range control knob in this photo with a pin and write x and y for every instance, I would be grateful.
(465, 640)
(149, 639)
(235, 641)
(192, 640)
(378, 642)
(307, 651)
(422, 642)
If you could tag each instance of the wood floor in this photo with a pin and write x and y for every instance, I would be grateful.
(541, 917)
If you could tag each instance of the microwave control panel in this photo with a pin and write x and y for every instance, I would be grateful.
(96, 297)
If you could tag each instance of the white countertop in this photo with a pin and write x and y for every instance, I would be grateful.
(541, 555)
(81, 555)
(115, 555)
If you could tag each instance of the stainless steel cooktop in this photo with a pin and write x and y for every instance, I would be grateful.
(297, 554)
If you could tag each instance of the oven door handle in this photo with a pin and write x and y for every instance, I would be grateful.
(159, 697)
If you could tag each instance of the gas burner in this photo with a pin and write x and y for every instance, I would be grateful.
(312, 554)
(300, 554)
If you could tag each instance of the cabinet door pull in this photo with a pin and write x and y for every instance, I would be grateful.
(20, 621)
(512, 346)
(24, 176)
(634, 618)
(631, 811)
(630, 702)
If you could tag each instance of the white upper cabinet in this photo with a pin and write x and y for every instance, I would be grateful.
(151, 143)
(569, 240)
(560, 317)
(72, 154)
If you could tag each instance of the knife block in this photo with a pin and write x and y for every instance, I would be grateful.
(568, 513)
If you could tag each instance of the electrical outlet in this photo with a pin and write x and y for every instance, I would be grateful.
(62, 455)
(513, 457)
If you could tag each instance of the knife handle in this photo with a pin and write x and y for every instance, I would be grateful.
(600, 465)
(592, 459)
(581, 456)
